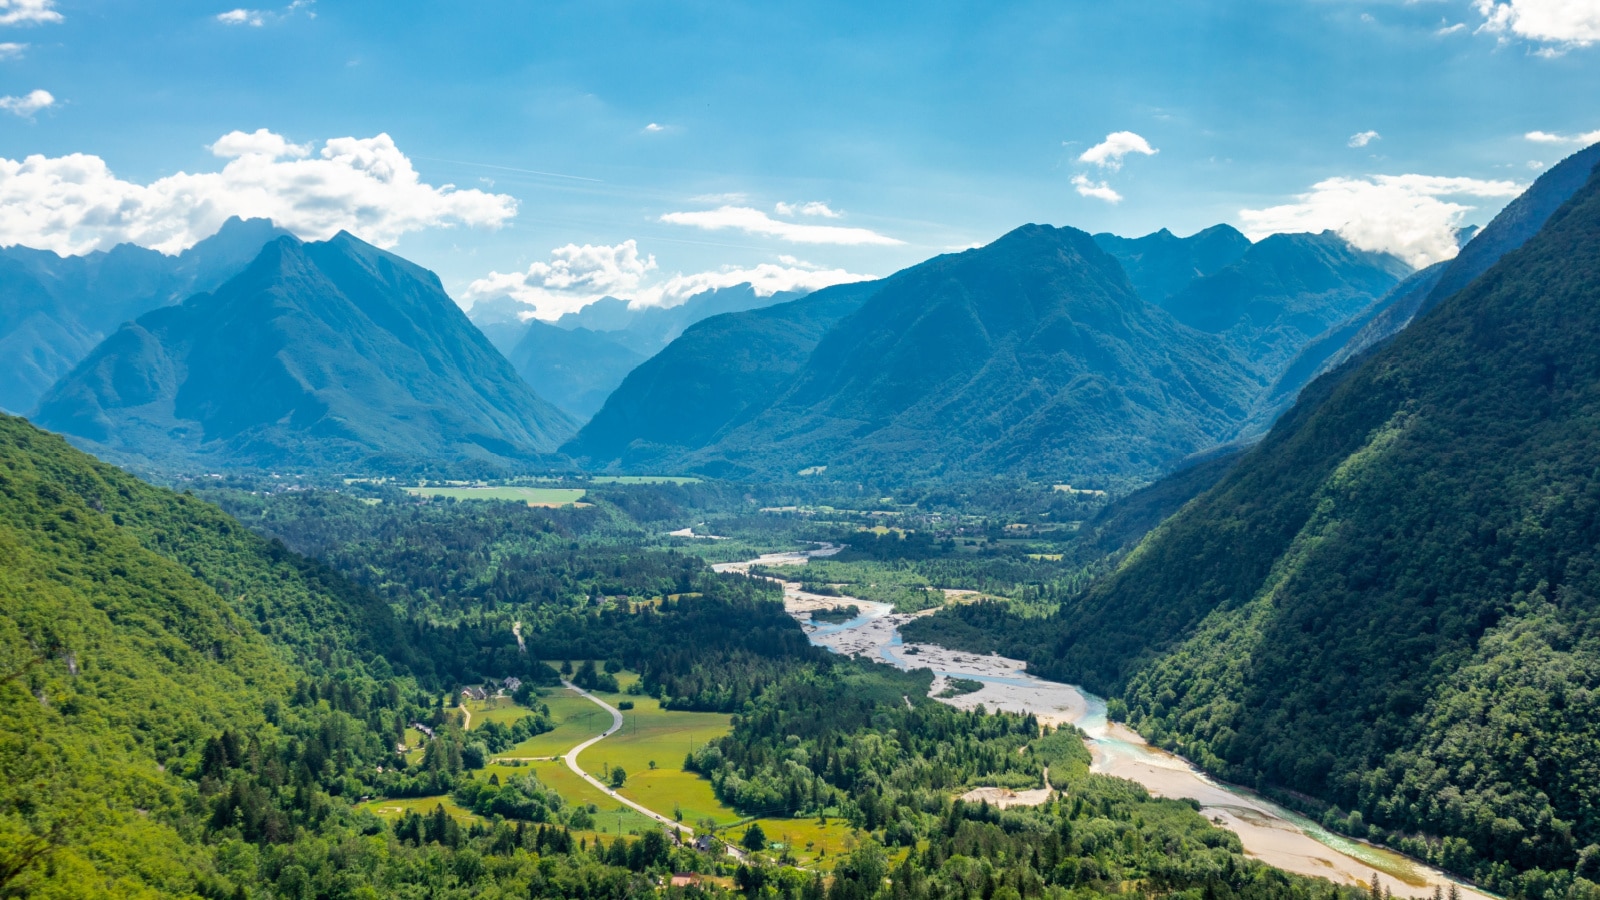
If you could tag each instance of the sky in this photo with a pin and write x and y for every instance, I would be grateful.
(556, 152)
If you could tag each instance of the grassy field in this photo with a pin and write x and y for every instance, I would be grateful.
(649, 733)
(496, 709)
(394, 809)
(533, 496)
(576, 720)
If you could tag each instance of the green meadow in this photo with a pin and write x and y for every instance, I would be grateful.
(533, 496)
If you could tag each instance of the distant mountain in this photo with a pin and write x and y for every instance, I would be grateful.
(717, 374)
(576, 369)
(55, 309)
(1423, 290)
(1391, 603)
(1161, 264)
(1283, 292)
(647, 329)
(501, 320)
(331, 354)
(1031, 355)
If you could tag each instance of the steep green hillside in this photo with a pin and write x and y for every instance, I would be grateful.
(332, 354)
(1030, 355)
(1391, 603)
(1162, 264)
(718, 373)
(128, 636)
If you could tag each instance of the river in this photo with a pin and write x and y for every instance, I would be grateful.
(1270, 833)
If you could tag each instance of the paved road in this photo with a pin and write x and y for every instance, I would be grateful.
(616, 725)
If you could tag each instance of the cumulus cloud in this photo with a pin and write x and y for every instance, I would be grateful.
(1099, 190)
(1363, 138)
(11, 50)
(654, 127)
(28, 104)
(754, 221)
(74, 203)
(813, 208)
(28, 12)
(1545, 137)
(1415, 217)
(251, 17)
(1108, 154)
(576, 276)
(1566, 23)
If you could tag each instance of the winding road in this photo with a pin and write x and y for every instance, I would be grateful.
(571, 760)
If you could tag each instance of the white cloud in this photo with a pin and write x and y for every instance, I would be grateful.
(10, 50)
(577, 276)
(256, 18)
(74, 203)
(1445, 29)
(813, 208)
(28, 104)
(584, 273)
(28, 12)
(1108, 153)
(1545, 137)
(1407, 215)
(251, 17)
(1568, 23)
(1096, 189)
(754, 221)
(654, 127)
(1363, 138)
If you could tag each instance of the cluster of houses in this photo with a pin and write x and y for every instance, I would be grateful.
(500, 689)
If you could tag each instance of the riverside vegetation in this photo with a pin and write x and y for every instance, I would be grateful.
(194, 710)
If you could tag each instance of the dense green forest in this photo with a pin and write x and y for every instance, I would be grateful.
(193, 710)
(1386, 612)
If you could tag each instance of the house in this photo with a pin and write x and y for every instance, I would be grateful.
(513, 684)
(474, 693)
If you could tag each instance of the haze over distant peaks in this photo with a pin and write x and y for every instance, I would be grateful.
(317, 354)
(1161, 264)
(54, 309)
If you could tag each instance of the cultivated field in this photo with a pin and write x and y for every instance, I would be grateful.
(533, 496)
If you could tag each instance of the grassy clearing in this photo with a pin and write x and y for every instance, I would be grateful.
(394, 809)
(576, 719)
(533, 496)
(496, 709)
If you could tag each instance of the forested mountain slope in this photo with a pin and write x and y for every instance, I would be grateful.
(718, 373)
(1032, 354)
(1393, 602)
(331, 354)
(54, 309)
(128, 636)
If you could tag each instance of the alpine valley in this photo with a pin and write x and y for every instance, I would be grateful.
(1261, 563)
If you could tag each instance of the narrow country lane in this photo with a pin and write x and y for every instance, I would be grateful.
(616, 725)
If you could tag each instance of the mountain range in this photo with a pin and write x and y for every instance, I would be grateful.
(331, 354)
(1034, 354)
(54, 309)
(1389, 606)
(578, 360)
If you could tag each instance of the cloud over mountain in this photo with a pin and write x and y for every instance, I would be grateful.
(75, 203)
(576, 276)
(1412, 216)
(754, 221)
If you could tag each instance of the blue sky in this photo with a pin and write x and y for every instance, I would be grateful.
(914, 127)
